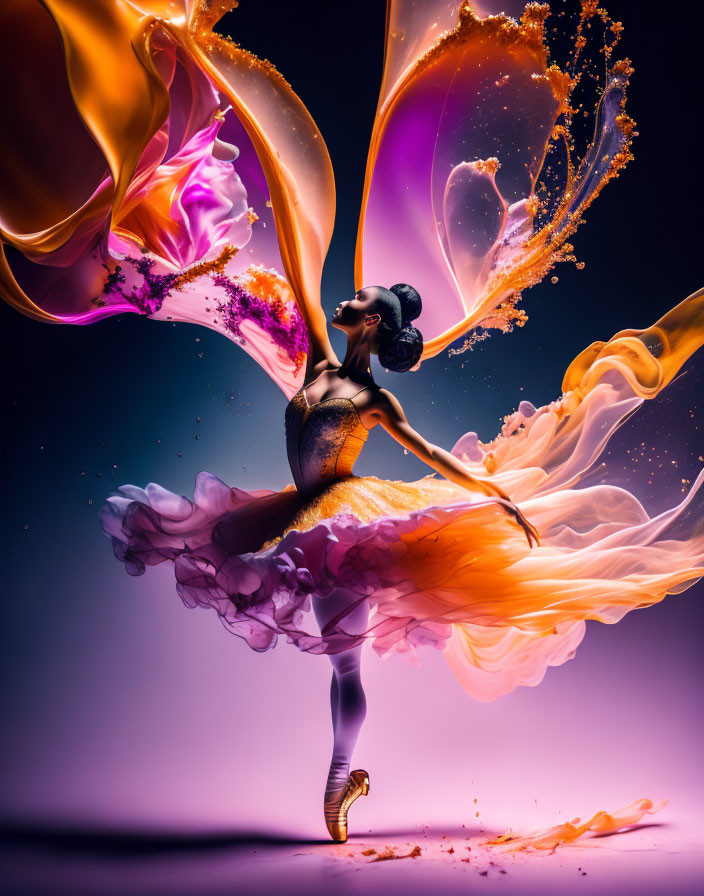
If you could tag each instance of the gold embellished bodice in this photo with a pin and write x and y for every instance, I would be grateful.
(323, 440)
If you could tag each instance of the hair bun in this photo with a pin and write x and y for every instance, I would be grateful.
(403, 350)
(411, 304)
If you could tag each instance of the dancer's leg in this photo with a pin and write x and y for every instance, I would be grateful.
(334, 700)
(347, 701)
(351, 711)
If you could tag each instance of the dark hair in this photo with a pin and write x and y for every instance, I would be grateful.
(398, 344)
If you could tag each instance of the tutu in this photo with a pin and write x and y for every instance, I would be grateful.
(360, 533)
(438, 565)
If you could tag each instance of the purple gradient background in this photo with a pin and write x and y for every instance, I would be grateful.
(120, 707)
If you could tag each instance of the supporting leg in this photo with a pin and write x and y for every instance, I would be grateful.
(334, 700)
(351, 712)
(347, 700)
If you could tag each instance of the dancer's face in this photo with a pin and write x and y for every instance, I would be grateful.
(357, 314)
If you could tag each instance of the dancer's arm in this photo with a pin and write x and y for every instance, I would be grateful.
(320, 352)
(388, 412)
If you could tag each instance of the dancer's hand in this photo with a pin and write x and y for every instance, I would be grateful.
(513, 511)
(387, 411)
(517, 514)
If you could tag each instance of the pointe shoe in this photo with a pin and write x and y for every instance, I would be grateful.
(337, 804)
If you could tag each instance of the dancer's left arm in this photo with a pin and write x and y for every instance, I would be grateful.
(388, 412)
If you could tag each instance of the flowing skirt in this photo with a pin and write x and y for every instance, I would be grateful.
(439, 566)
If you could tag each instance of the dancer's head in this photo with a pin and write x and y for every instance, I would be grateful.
(383, 316)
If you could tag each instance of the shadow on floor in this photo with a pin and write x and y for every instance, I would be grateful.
(94, 839)
(97, 840)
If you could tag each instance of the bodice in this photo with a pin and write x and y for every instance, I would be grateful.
(323, 440)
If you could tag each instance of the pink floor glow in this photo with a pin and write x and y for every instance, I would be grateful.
(199, 767)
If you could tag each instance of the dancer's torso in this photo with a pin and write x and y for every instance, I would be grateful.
(323, 439)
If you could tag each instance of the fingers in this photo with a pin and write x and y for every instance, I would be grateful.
(531, 536)
(533, 531)
(524, 524)
(530, 531)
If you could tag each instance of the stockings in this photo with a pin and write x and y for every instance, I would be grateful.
(347, 701)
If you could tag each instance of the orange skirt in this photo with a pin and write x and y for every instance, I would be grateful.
(439, 566)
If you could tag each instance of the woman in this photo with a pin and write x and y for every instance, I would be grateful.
(375, 320)
(202, 191)
(228, 546)
(449, 562)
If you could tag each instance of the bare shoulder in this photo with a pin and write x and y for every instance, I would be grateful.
(382, 405)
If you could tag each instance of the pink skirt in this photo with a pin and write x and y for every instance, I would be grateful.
(439, 566)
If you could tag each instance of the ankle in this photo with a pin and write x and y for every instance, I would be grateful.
(337, 776)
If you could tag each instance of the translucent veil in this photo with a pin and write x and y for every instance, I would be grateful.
(152, 166)
(473, 150)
